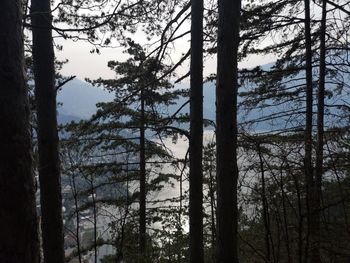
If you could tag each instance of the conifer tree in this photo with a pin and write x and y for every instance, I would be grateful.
(284, 93)
(316, 255)
(139, 116)
(196, 134)
(49, 164)
(19, 237)
(226, 130)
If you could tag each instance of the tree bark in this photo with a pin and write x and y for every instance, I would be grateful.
(49, 166)
(94, 209)
(77, 216)
(226, 131)
(316, 253)
(18, 221)
(196, 134)
(212, 211)
(265, 206)
(285, 214)
(120, 252)
(142, 220)
(310, 184)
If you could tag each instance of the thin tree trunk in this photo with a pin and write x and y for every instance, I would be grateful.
(265, 206)
(181, 188)
(94, 208)
(18, 222)
(285, 215)
(142, 222)
(196, 135)
(311, 217)
(120, 252)
(316, 253)
(300, 216)
(226, 131)
(76, 207)
(212, 211)
(49, 166)
(77, 217)
(181, 196)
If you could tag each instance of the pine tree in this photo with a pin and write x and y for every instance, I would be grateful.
(140, 113)
(49, 164)
(285, 91)
(196, 134)
(19, 237)
(226, 130)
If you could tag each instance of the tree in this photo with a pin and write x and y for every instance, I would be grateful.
(19, 238)
(209, 191)
(316, 252)
(49, 165)
(142, 158)
(226, 130)
(133, 124)
(196, 134)
(286, 92)
(312, 217)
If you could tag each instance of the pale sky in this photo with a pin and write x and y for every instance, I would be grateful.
(83, 64)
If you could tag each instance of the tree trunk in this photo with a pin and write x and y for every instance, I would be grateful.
(142, 223)
(120, 252)
(316, 253)
(18, 221)
(196, 135)
(77, 217)
(212, 212)
(310, 184)
(49, 167)
(285, 214)
(94, 209)
(226, 131)
(265, 206)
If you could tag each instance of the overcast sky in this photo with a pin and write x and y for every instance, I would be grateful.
(83, 64)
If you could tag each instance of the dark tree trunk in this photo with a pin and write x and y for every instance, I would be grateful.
(310, 184)
(77, 217)
(316, 253)
(49, 167)
(285, 214)
(196, 134)
(94, 211)
(300, 215)
(142, 222)
(226, 131)
(120, 252)
(266, 218)
(18, 221)
(212, 214)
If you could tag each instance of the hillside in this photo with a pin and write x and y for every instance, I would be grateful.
(78, 100)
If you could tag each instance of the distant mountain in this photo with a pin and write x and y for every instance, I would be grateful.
(78, 99)
(63, 118)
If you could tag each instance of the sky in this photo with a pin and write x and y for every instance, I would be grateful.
(83, 64)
